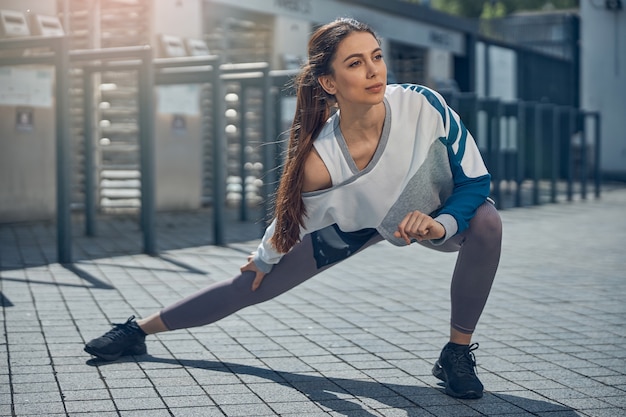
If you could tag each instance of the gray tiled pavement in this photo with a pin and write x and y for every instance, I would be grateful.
(358, 340)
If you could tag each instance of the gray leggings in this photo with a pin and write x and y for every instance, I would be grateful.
(479, 254)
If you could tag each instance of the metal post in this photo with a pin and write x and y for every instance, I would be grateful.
(487, 71)
(146, 143)
(511, 145)
(572, 129)
(282, 80)
(495, 149)
(537, 142)
(269, 155)
(243, 208)
(556, 134)
(583, 155)
(63, 151)
(521, 152)
(471, 119)
(596, 165)
(488, 135)
(90, 166)
(219, 154)
(273, 168)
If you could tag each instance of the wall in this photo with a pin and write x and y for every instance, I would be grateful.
(603, 79)
(27, 165)
(439, 66)
(45, 7)
(178, 17)
(499, 80)
(290, 42)
(390, 26)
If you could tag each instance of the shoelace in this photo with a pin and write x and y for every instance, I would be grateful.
(120, 330)
(466, 361)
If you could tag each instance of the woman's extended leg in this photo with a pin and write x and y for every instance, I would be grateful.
(216, 301)
(224, 298)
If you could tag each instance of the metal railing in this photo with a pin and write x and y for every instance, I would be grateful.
(274, 86)
(536, 143)
(137, 59)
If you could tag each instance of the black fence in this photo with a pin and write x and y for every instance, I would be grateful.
(536, 152)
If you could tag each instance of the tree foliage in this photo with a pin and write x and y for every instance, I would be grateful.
(496, 8)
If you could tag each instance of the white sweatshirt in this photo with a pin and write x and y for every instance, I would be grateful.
(426, 160)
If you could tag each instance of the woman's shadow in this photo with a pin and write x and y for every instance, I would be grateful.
(338, 394)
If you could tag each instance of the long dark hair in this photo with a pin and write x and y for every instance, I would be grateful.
(313, 107)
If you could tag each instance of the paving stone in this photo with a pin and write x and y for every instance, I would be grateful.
(196, 412)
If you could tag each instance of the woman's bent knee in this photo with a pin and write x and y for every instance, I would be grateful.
(487, 224)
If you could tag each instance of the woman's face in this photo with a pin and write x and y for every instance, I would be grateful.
(360, 72)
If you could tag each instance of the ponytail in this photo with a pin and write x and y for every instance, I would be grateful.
(312, 110)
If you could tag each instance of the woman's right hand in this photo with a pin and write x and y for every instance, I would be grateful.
(419, 226)
(259, 275)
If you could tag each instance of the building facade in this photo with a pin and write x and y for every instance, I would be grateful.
(603, 78)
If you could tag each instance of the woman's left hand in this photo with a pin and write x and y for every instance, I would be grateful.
(258, 274)
(419, 226)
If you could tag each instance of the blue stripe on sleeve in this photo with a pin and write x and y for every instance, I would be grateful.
(454, 133)
(432, 99)
(468, 193)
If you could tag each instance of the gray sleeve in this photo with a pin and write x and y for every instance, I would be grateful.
(449, 223)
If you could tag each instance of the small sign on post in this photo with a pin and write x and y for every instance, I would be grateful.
(24, 120)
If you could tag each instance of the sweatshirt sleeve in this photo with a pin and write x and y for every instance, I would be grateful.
(266, 256)
(472, 182)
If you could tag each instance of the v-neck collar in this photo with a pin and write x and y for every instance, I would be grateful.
(382, 143)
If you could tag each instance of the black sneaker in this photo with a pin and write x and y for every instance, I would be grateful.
(123, 339)
(456, 368)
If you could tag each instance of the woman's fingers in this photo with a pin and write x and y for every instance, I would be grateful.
(416, 225)
(401, 231)
(259, 275)
(408, 225)
(257, 280)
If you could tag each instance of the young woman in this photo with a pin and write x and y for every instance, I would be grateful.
(391, 163)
